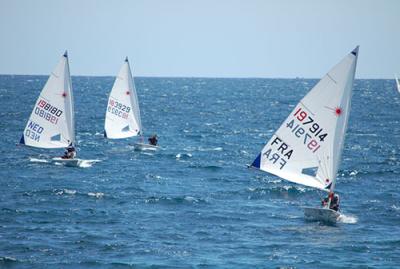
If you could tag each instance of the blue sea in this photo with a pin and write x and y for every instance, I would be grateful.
(194, 204)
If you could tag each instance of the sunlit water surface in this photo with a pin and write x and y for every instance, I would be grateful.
(194, 204)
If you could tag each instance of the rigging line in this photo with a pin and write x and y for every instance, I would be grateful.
(324, 169)
(54, 74)
(309, 110)
(329, 158)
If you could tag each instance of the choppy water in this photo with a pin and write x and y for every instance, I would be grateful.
(194, 204)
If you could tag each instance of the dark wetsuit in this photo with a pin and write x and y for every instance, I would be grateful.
(153, 141)
(335, 203)
(69, 154)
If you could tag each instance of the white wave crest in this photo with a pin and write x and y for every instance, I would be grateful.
(347, 219)
(397, 208)
(35, 160)
(96, 194)
(87, 163)
(353, 173)
(183, 155)
(66, 191)
(190, 199)
(210, 149)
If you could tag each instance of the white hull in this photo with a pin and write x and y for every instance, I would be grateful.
(321, 214)
(68, 162)
(142, 147)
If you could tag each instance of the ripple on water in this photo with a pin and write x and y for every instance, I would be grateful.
(194, 204)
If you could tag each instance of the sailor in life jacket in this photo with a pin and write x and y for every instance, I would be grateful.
(153, 140)
(334, 201)
(69, 153)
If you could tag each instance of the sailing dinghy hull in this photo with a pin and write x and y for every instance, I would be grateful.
(67, 162)
(143, 147)
(321, 214)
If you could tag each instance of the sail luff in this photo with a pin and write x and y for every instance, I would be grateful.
(340, 133)
(70, 107)
(135, 100)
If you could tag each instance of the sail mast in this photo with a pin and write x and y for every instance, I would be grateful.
(69, 101)
(340, 131)
(134, 98)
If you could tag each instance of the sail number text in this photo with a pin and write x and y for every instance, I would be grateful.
(309, 130)
(47, 111)
(118, 109)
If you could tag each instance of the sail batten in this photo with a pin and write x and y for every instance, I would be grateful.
(53, 112)
(123, 113)
(307, 147)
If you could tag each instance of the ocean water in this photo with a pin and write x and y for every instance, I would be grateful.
(194, 204)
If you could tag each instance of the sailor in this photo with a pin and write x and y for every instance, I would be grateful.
(334, 202)
(324, 202)
(334, 205)
(69, 153)
(153, 140)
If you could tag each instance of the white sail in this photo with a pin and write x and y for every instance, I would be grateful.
(307, 148)
(397, 83)
(51, 124)
(123, 114)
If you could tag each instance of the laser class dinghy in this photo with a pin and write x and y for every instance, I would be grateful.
(51, 124)
(307, 147)
(123, 113)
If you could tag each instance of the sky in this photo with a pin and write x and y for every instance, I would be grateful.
(202, 38)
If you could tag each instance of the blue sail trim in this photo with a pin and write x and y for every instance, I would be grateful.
(257, 161)
(22, 141)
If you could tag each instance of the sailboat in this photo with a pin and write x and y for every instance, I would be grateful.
(397, 83)
(307, 147)
(51, 124)
(123, 112)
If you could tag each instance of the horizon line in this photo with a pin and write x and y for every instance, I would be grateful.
(198, 77)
